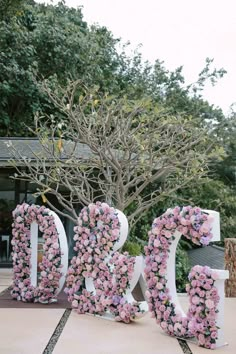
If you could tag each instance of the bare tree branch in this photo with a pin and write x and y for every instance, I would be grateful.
(131, 154)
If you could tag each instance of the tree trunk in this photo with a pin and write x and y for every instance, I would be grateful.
(230, 265)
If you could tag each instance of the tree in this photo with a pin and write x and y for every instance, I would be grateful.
(138, 154)
(53, 43)
(226, 133)
(49, 42)
(9, 8)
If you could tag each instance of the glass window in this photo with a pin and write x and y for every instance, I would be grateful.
(7, 204)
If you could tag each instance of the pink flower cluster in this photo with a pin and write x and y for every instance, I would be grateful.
(204, 300)
(50, 266)
(122, 271)
(196, 226)
(95, 235)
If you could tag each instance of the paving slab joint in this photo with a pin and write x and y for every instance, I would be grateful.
(184, 346)
(56, 334)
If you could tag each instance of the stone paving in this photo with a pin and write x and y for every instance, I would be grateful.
(62, 331)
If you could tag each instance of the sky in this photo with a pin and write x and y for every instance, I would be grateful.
(179, 32)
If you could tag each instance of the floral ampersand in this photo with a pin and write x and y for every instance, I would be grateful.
(201, 319)
(97, 281)
(50, 267)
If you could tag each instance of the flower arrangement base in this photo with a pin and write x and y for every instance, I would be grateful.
(51, 301)
(110, 317)
(107, 316)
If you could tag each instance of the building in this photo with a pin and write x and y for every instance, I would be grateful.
(14, 192)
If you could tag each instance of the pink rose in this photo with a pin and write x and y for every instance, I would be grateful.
(19, 219)
(195, 300)
(201, 339)
(215, 275)
(159, 286)
(156, 243)
(210, 304)
(163, 325)
(205, 228)
(75, 303)
(168, 234)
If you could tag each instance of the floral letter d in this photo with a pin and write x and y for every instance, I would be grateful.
(27, 220)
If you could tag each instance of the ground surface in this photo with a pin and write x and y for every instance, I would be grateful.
(62, 331)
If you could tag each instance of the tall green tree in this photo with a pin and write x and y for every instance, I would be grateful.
(50, 43)
(9, 8)
(45, 42)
